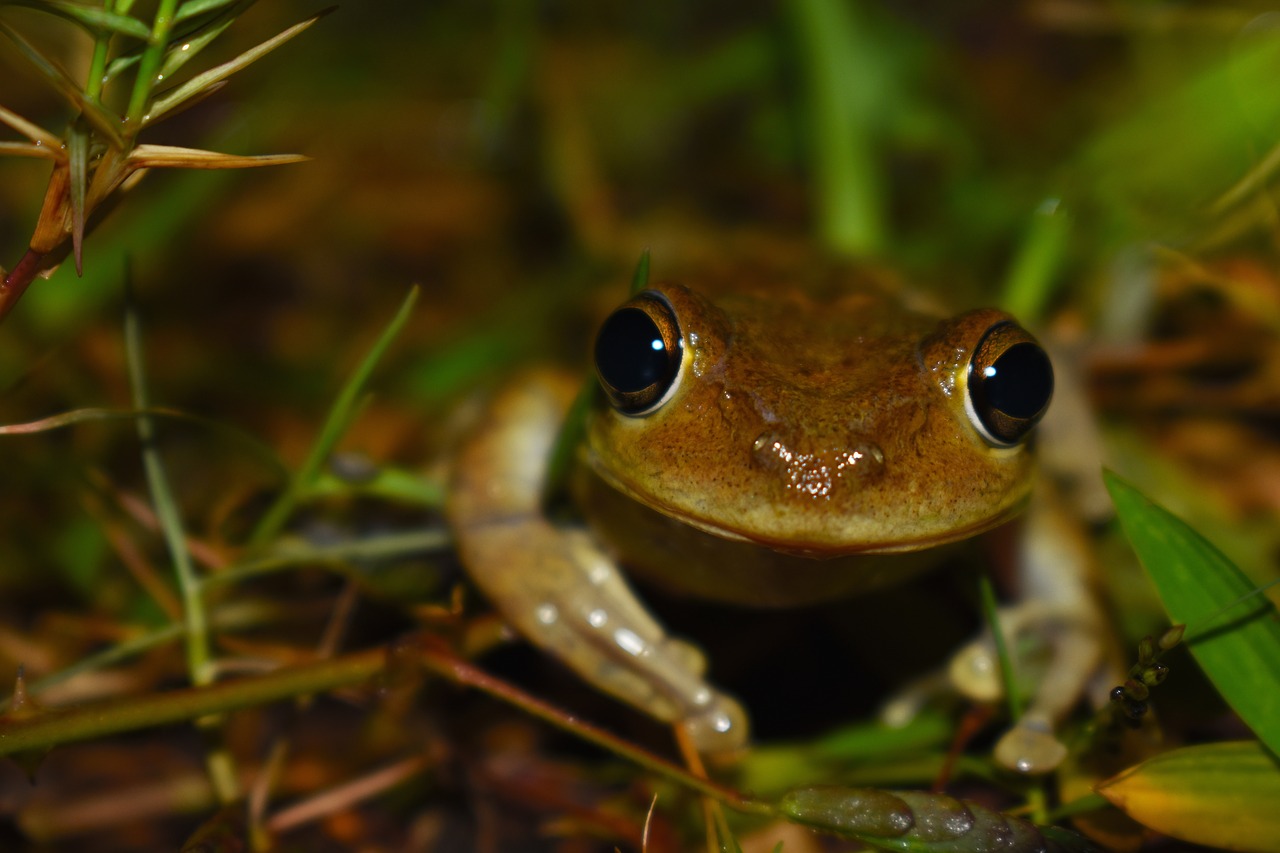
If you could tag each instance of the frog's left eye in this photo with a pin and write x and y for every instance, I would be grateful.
(1010, 383)
(638, 354)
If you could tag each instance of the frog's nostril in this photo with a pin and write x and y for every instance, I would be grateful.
(818, 470)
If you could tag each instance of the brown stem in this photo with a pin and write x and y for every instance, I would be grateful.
(19, 279)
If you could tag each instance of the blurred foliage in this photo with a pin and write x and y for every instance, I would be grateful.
(1107, 166)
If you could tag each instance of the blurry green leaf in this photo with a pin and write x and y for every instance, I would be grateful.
(94, 20)
(1182, 149)
(204, 80)
(842, 68)
(1233, 631)
(1039, 259)
(1219, 794)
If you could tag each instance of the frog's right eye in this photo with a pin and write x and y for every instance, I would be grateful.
(638, 354)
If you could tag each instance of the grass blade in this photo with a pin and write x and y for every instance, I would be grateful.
(166, 508)
(1233, 630)
(335, 425)
(1218, 794)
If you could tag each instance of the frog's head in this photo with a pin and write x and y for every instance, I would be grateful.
(839, 424)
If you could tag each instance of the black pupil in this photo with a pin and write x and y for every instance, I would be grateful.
(1020, 381)
(630, 352)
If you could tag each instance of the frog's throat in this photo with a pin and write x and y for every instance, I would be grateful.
(812, 546)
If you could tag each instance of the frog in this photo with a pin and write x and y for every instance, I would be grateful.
(774, 443)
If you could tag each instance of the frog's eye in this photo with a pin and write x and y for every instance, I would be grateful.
(638, 354)
(1010, 383)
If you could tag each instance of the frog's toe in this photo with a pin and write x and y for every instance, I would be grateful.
(1030, 746)
(719, 727)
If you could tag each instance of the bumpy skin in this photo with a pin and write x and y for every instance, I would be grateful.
(817, 442)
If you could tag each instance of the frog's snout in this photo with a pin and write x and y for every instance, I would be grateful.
(819, 469)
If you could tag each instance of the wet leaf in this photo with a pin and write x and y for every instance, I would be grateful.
(1219, 794)
(1233, 631)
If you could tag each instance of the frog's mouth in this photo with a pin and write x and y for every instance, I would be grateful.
(842, 536)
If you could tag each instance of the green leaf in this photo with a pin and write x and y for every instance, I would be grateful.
(94, 20)
(204, 80)
(1233, 630)
(1218, 794)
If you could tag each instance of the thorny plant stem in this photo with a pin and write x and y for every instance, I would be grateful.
(148, 66)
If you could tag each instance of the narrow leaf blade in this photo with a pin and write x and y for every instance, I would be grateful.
(1201, 588)
(1219, 794)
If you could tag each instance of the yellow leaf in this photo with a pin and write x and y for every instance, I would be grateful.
(1221, 794)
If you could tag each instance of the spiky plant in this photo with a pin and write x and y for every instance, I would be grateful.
(128, 89)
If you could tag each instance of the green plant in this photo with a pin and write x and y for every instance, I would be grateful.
(128, 89)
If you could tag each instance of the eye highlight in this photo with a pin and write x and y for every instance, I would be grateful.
(1010, 384)
(638, 353)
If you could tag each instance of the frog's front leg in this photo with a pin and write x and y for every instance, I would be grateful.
(555, 585)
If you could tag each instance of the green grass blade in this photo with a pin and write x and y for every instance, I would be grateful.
(170, 100)
(1232, 630)
(167, 513)
(840, 71)
(340, 416)
(1029, 284)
